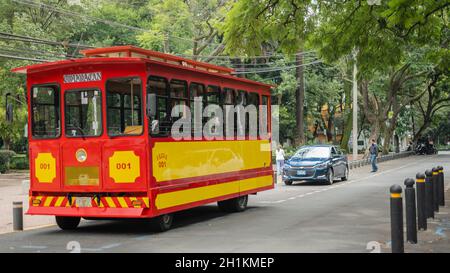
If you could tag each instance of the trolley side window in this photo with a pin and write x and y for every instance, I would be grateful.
(252, 118)
(160, 124)
(241, 124)
(46, 111)
(264, 113)
(229, 99)
(196, 90)
(213, 97)
(83, 113)
(179, 97)
(124, 106)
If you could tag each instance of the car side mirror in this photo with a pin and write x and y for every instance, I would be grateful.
(151, 106)
(9, 110)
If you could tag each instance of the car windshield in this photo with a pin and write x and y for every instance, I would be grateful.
(312, 152)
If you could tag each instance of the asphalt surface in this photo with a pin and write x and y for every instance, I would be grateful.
(304, 217)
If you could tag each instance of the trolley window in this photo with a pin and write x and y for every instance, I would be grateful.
(83, 113)
(196, 90)
(178, 95)
(124, 106)
(228, 96)
(46, 111)
(160, 125)
(264, 112)
(213, 95)
(229, 99)
(241, 125)
(253, 99)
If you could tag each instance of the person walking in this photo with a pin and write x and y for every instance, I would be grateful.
(373, 150)
(280, 160)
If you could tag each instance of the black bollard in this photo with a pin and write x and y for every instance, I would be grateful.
(441, 186)
(429, 194)
(421, 213)
(397, 244)
(435, 183)
(17, 216)
(410, 207)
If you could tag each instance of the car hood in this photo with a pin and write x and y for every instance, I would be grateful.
(306, 162)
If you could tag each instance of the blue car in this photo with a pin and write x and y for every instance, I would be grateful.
(321, 163)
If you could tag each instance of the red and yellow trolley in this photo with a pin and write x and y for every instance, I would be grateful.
(95, 153)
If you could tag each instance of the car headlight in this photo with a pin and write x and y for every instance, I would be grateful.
(322, 165)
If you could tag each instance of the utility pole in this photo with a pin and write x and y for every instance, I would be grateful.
(355, 107)
(300, 99)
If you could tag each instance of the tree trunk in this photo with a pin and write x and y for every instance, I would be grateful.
(387, 136)
(397, 143)
(348, 117)
(300, 101)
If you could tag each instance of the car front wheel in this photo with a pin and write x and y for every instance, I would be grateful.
(345, 177)
(330, 177)
(288, 182)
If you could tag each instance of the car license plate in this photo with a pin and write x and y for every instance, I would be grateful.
(83, 202)
(302, 172)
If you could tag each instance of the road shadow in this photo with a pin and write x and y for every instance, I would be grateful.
(311, 183)
(133, 227)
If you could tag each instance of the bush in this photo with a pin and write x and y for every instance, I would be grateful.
(19, 162)
(5, 158)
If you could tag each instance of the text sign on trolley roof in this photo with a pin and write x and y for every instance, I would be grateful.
(83, 77)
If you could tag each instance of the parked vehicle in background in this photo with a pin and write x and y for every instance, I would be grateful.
(425, 147)
(318, 163)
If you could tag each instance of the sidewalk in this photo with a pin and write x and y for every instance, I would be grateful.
(436, 239)
(10, 191)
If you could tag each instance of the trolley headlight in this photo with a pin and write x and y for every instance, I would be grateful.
(81, 155)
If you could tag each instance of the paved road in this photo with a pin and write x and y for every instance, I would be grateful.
(343, 217)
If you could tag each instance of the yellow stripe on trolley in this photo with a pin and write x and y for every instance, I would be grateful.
(110, 202)
(146, 202)
(122, 202)
(420, 180)
(176, 198)
(435, 173)
(396, 195)
(48, 201)
(59, 201)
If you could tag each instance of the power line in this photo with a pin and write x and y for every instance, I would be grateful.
(108, 22)
(23, 38)
(249, 57)
(22, 58)
(276, 69)
(35, 52)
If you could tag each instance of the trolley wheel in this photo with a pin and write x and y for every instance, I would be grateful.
(67, 223)
(234, 205)
(161, 223)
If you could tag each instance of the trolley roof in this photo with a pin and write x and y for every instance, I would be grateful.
(131, 54)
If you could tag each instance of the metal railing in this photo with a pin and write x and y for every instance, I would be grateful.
(366, 161)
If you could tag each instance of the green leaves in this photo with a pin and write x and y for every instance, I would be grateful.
(249, 24)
